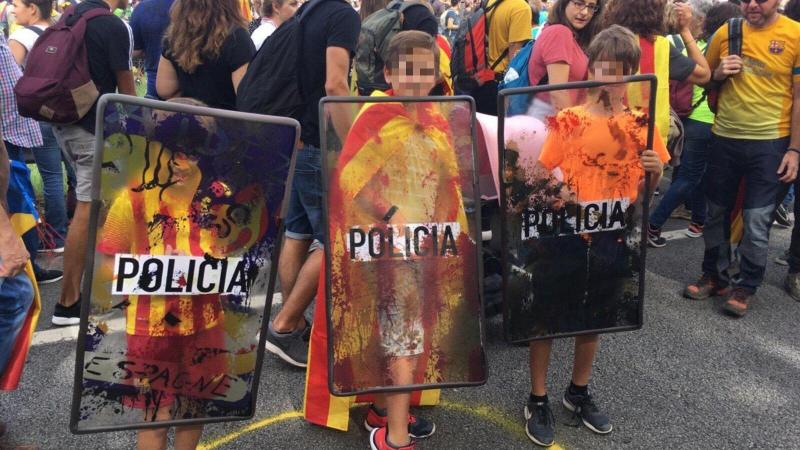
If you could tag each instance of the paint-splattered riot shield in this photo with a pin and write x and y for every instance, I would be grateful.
(185, 227)
(574, 202)
(402, 223)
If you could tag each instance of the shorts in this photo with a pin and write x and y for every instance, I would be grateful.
(304, 215)
(195, 355)
(400, 311)
(79, 145)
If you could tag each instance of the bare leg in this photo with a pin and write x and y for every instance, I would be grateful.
(585, 350)
(290, 317)
(293, 255)
(75, 254)
(398, 405)
(540, 362)
(187, 438)
(155, 438)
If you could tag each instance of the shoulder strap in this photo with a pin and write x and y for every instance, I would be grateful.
(735, 36)
(36, 30)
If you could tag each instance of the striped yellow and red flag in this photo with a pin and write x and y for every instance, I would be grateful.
(320, 407)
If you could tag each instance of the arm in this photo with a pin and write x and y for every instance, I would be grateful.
(337, 61)
(237, 75)
(167, 84)
(451, 24)
(514, 48)
(125, 83)
(519, 28)
(559, 73)
(788, 167)
(701, 73)
(5, 171)
(18, 50)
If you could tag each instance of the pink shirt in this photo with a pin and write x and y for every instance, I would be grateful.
(557, 44)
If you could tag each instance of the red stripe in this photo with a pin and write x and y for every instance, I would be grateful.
(647, 64)
(317, 406)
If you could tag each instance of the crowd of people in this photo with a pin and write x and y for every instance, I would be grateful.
(727, 112)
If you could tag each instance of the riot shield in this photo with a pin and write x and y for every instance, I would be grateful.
(402, 220)
(574, 201)
(185, 227)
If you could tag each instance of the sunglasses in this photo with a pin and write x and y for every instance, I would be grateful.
(747, 2)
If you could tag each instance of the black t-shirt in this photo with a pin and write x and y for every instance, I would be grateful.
(211, 81)
(420, 18)
(108, 49)
(333, 23)
(680, 65)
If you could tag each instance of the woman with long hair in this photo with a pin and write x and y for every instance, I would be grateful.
(559, 54)
(206, 52)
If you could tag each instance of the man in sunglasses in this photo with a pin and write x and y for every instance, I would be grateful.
(756, 137)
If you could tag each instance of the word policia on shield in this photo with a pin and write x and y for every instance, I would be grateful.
(574, 197)
(187, 218)
(402, 224)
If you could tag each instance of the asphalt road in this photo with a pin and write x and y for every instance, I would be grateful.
(691, 378)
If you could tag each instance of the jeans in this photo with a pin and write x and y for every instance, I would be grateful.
(16, 297)
(687, 184)
(788, 200)
(757, 162)
(48, 161)
(304, 215)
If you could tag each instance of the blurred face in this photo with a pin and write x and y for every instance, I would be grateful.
(580, 12)
(415, 74)
(285, 11)
(609, 72)
(759, 14)
(25, 14)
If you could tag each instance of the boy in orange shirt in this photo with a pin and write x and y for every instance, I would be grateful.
(599, 148)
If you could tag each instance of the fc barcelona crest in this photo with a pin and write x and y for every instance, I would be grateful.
(777, 47)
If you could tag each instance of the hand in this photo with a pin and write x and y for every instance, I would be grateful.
(13, 255)
(651, 163)
(788, 168)
(684, 11)
(730, 65)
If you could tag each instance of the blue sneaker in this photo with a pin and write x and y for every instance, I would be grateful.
(541, 424)
(583, 407)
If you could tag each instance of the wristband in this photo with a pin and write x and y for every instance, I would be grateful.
(792, 149)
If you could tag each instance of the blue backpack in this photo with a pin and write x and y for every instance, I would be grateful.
(517, 77)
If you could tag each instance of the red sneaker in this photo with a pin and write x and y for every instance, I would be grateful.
(418, 428)
(378, 441)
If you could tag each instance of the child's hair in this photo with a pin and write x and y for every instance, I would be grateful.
(616, 43)
(405, 41)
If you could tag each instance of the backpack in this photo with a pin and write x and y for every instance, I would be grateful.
(470, 65)
(270, 85)
(56, 85)
(516, 76)
(377, 31)
(680, 92)
(734, 48)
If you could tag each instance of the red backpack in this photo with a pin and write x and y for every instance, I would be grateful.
(470, 66)
(57, 86)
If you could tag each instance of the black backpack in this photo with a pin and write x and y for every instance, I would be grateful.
(271, 85)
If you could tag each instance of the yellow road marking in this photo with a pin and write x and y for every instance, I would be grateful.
(490, 414)
(282, 417)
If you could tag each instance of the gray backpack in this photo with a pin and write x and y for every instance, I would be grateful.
(377, 31)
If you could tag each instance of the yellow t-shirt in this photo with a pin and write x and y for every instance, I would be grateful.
(509, 22)
(757, 103)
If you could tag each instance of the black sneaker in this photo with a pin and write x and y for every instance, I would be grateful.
(584, 408)
(654, 238)
(64, 316)
(781, 217)
(290, 347)
(44, 276)
(540, 424)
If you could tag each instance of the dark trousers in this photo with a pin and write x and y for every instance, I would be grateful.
(730, 161)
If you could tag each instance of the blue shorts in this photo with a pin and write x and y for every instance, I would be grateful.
(304, 215)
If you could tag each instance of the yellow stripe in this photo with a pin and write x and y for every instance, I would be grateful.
(250, 428)
(490, 414)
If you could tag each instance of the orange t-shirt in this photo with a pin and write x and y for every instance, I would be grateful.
(599, 155)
